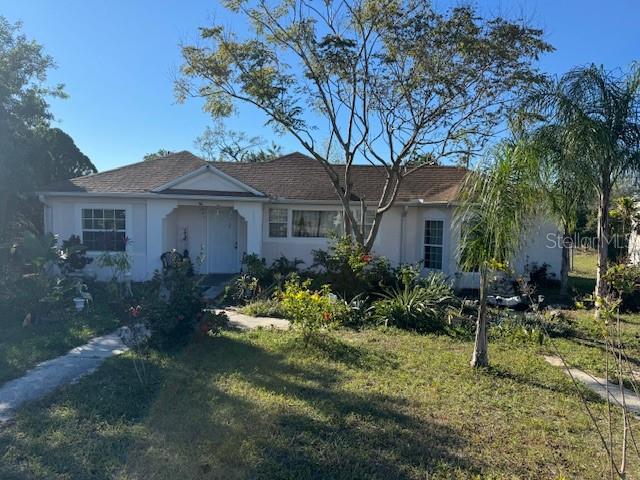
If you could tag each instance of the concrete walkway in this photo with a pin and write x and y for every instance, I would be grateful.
(599, 386)
(246, 322)
(49, 375)
(83, 360)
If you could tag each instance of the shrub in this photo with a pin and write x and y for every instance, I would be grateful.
(256, 267)
(260, 281)
(350, 270)
(357, 312)
(624, 281)
(416, 305)
(283, 266)
(74, 255)
(517, 329)
(174, 308)
(263, 308)
(309, 310)
(557, 324)
(539, 276)
(212, 322)
(37, 253)
(43, 296)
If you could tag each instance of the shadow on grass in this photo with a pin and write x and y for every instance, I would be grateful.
(276, 414)
(229, 408)
(566, 388)
(334, 349)
(83, 430)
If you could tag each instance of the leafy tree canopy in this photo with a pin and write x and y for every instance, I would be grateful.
(159, 154)
(386, 81)
(32, 153)
(222, 144)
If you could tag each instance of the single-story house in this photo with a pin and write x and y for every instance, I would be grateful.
(221, 211)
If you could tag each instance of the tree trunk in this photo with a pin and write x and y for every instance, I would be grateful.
(4, 214)
(480, 356)
(564, 268)
(603, 240)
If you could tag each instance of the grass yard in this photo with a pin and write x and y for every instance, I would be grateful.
(371, 404)
(586, 349)
(582, 278)
(21, 348)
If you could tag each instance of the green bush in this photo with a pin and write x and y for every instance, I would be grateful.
(259, 281)
(421, 305)
(357, 313)
(212, 322)
(624, 282)
(174, 308)
(263, 308)
(310, 310)
(516, 328)
(350, 270)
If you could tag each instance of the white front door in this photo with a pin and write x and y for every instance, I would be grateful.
(223, 240)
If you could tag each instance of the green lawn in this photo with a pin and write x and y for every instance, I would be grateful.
(586, 349)
(371, 404)
(582, 278)
(21, 348)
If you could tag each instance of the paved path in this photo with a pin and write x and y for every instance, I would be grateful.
(246, 322)
(83, 360)
(599, 386)
(49, 375)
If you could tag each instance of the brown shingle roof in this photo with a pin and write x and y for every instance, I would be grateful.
(138, 177)
(294, 176)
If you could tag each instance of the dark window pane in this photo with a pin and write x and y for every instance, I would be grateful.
(433, 232)
(104, 229)
(315, 223)
(433, 257)
(277, 229)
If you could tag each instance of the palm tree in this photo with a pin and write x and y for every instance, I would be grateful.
(496, 205)
(563, 192)
(599, 115)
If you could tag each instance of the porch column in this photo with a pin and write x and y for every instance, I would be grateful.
(252, 213)
(157, 211)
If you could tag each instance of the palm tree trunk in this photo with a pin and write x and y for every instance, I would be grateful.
(564, 268)
(603, 240)
(480, 356)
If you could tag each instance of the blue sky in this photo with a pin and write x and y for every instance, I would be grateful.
(118, 58)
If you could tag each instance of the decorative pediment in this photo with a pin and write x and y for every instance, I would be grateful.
(208, 179)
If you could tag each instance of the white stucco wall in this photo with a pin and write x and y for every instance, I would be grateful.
(634, 246)
(66, 220)
(542, 244)
(400, 238)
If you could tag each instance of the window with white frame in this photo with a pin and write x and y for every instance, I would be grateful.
(315, 223)
(433, 244)
(104, 229)
(278, 222)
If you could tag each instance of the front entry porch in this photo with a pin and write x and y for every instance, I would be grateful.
(215, 238)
